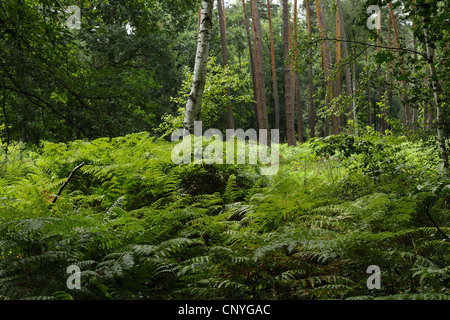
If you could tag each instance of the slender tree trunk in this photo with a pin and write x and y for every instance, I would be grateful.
(312, 121)
(274, 72)
(223, 40)
(369, 95)
(326, 53)
(5, 116)
(291, 68)
(324, 98)
(194, 103)
(348, 80)
(299, 109)
(427, 107)
(290, 126)
(252, 62)
(337, 85)
(405, 92)
(436, 94)
(355, 86)
(297, 81)
(390, 84)
(199, 20)
(224, 16)
(416, 104)
(259, 68)
(380, 89)
(293, 77)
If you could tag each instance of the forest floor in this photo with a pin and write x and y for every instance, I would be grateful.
(138, 226)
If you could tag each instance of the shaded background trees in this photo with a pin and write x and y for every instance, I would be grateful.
(125, 69)
(114, 76)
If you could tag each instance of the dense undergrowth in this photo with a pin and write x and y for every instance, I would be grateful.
(140, 227)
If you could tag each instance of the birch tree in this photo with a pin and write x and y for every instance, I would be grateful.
(194, 103)
(429, 45)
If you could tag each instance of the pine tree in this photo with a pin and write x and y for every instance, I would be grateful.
(261, 116)
(288, 90)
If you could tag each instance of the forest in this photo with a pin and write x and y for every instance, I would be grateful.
(350, 98)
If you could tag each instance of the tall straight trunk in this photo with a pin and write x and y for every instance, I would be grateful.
(390, 84)
(299, 108)
(326, 54)
(261, 115)
(324, 98)
(223, 41)
(224, 16)
(380, 89)
(369, 95)
(355, 86)
(337, 85)
(312, 121)
(298, 99)
(199, 20)
(425, 105)
(290, 125)
(194, 103)
(252, 61)
(348, 80)
(274, 72)
(21, 73)
(405, 92)
(436, 94)
(5, 116)
(427, 108)
(416, 104)
(292, 69)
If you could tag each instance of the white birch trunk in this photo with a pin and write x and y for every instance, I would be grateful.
(437, 99)
(194, 103)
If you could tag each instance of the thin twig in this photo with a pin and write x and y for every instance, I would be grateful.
(67, 181)
(437, 227)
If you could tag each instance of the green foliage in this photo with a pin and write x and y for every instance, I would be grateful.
(112, 77)
(140, 227)
(215, 98)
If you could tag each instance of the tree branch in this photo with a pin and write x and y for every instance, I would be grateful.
(427, 207)
(67, 181)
